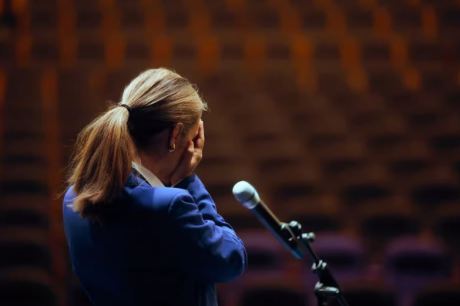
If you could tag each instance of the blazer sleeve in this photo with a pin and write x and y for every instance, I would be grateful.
(205, 203)
(209, 248)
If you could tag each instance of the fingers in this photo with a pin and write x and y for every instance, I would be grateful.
(199, 141)
(183, 167)
(191, 148)
(201, 131)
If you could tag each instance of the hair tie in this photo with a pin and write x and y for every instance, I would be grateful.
(126, 106)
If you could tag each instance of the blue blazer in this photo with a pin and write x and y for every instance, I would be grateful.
(155, 246)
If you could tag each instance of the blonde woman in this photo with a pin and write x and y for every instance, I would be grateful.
(140, 225)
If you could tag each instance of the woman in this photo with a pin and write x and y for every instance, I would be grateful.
(140, 225)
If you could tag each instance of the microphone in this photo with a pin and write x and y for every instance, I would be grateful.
(247, 195)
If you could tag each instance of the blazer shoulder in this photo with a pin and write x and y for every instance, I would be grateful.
(143, 196)
(157, 198)
(69, 194)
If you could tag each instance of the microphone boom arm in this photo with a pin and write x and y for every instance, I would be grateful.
(295, 240)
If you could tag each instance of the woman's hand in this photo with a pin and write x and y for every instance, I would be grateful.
(191, 157)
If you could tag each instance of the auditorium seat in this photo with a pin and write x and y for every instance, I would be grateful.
(407, 171)
(360, 21)
(278, 53)
(45, 51)
(269, 264)
(425, 53)
(448, 21)
(407, 21)
(90, 50)
(384, 80)
(437, 79)
(35, 202)
(318, 221)
(380, 224)
(408, 163)
(327, 52)
(220, 148)
(354, 103)
(127, 4)
(432, 194)
(412, 263)
(330, 80)
(365, 192)
(88, 5)
(223, 19)
(266, 144)
(265, 253)
(456, 166)
(88, 18)
(137, 51)
(286, 170)
(19, 101)
(318, 120)
(345, 164)
(176, 17)
(394, 146)
(345, 255)
(262, 17)
(321, 212)
(288, 189)
(363, 294)
(184, 50)
(446, 143)
(312, 19)
(442, 294)
(132, 17)
(231, 49)
(262, 141)
(30, 167)
(24, 248)
(446, 226)
(116, 80)
(7, 54)
(279, 81)
(25, 287)
(401, 99)
(23, 171)
(426, 120)
(43, 17)
(375, 53)
(25, 215)
(339, 171)
(375, 120)
(23, 186)
(272, 295)
(24, 142)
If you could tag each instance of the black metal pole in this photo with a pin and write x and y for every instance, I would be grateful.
(327, 287)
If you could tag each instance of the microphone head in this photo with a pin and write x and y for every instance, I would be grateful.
(246, 194)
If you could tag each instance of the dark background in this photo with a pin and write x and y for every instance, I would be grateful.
(343, 114)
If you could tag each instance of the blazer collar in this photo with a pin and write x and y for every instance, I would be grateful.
(148, 175)
(135, 179)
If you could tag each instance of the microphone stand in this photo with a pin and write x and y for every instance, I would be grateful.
(327, 288)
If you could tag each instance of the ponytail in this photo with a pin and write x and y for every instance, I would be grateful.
(102, 159)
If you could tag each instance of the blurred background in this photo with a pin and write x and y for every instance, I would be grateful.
(344, 114)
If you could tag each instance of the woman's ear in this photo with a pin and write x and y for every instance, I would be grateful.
(174, 136)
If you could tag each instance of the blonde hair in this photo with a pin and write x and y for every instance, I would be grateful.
(156, 99)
